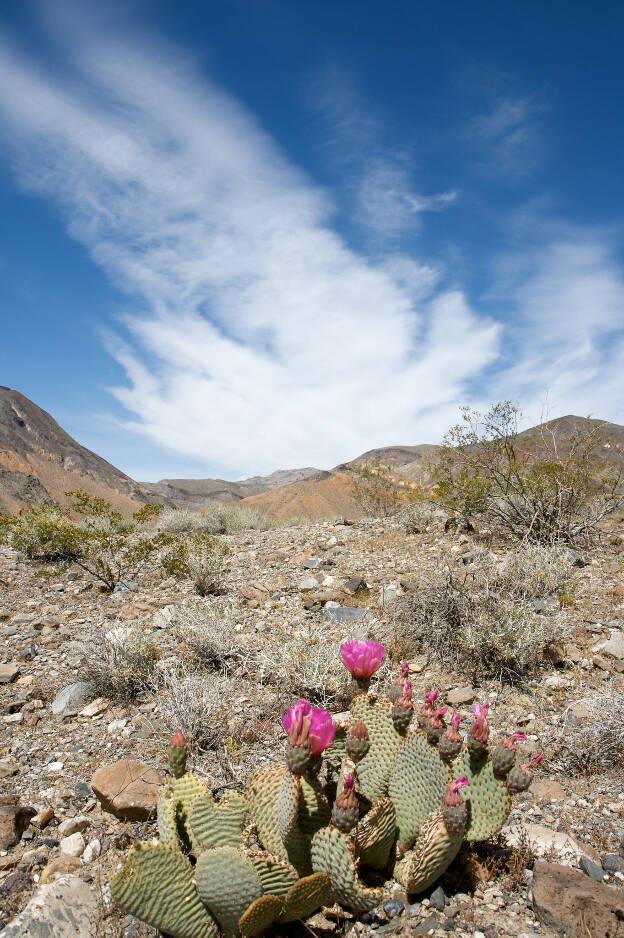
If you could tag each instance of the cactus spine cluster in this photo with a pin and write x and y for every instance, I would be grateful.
(401, 797)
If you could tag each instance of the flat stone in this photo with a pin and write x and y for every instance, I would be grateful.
(354, 584)
(613, 647)
(8, 672)
(74, 845)
(547, 789)
(308, 583)
(59, 866)
(460, 695)
(546, 842)
(99, 705)
(312, 563)
(569, 901)
(44, 817)
(72, 698)
(128, 789)
(344, 613)
(65, 908)
(94, 849)
(591, 869)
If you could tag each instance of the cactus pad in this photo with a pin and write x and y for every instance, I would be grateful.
(332, 853)
(306, 896)
(156, 885)
(167, 817)
(432, 853)
(417, 785)
(373, 771)
(261, 914)
(276, 875)
(375, 835)
(216, 825)
(488, 798)
(262, 795)
(227, 884)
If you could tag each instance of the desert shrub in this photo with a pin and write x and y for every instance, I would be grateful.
(200, 557)
(121, 664)
(534, 487)
(195, 703)
(465, 621)
(417, 518)
(591, 734)
(45, 533)
(102, 542)
(531, 572)
(214, 518)
(208, 633)
(377, 491)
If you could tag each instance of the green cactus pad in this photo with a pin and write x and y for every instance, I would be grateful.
(262, 794)
(417, 784)
(217, 825)
(276, 875)
(289, 805)
(332, 853)
(488, 798)
(156, 885)
(227, 884)
(306, 896)
(433, 852)
(314, 810)
(261, 914)
(167, 817)
(373, 771)
(375, 834)
(187, 788)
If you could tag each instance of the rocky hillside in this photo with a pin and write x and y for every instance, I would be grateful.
(194, 493)
(92, 685)
(39, 462)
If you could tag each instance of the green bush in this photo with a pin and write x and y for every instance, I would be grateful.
(538, 487)
(200, 557)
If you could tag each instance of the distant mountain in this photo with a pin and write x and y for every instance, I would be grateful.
(39, 462)
(194, 493)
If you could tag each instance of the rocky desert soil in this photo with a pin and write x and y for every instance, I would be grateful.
(81, 760)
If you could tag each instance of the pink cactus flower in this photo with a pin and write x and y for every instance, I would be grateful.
(407, 691)
(452, 798)
(436, 720)
(460, 782)
(348, 782)
(404, 669)
(480, 725)
(322, 730)
(537, 758)
(517, 737)
(456, 720)
(293, 720)
(362, 659)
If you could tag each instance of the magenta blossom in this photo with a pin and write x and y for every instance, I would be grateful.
(452, 798)
(362, 658)
(517, 737)
(480, 725)
(456, 720)
(404, 669)
(293, 721)
(322, 730)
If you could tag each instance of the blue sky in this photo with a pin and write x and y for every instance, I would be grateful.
(239, 236)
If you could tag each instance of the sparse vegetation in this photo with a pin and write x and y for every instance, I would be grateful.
(199, 557)
(376, 490)
(122, 662)
(477, 619)
(591, 736)
(214, 518)
(536, 488)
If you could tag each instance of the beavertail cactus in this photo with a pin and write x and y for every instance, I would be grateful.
(407, 797)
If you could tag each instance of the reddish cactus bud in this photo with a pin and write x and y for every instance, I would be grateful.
(504, 756)
(358, 741)
(477, 742)
(427, 710)
(403, 709)
(436, 726)
(454, 808)
(346, 810)
(177, 752)
(520, 777)
(450, 743)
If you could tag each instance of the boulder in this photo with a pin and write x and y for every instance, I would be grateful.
(128, 789)
(65, 908)
(72, 698)
(575, 905)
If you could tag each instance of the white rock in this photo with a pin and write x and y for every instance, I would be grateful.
(74, 845)
(614, 646)
(73, 824)
(66, 908)
(93, 850)
(308, 583)
(545, 842)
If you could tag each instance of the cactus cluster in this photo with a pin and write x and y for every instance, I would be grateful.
(394, 794)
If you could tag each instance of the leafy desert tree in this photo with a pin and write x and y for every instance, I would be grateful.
(539, 487)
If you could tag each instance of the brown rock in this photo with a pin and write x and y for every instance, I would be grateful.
(128, 789)
(547, 789)
(44, 817)
(569, 900)
(354, 584)
(14, 819)
(58, 866)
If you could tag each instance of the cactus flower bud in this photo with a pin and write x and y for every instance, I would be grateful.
(177, 752)
(396, 689)
(520, 777)
(346, 810)
(403, 709)
(427, 710)
(450, 743)
(477, 742)
(436, 726)
(310, 730)
(504, 756)
(454, 808)
(358, 741)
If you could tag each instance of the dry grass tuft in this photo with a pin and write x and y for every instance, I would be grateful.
(591, 735)
(122, 663)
